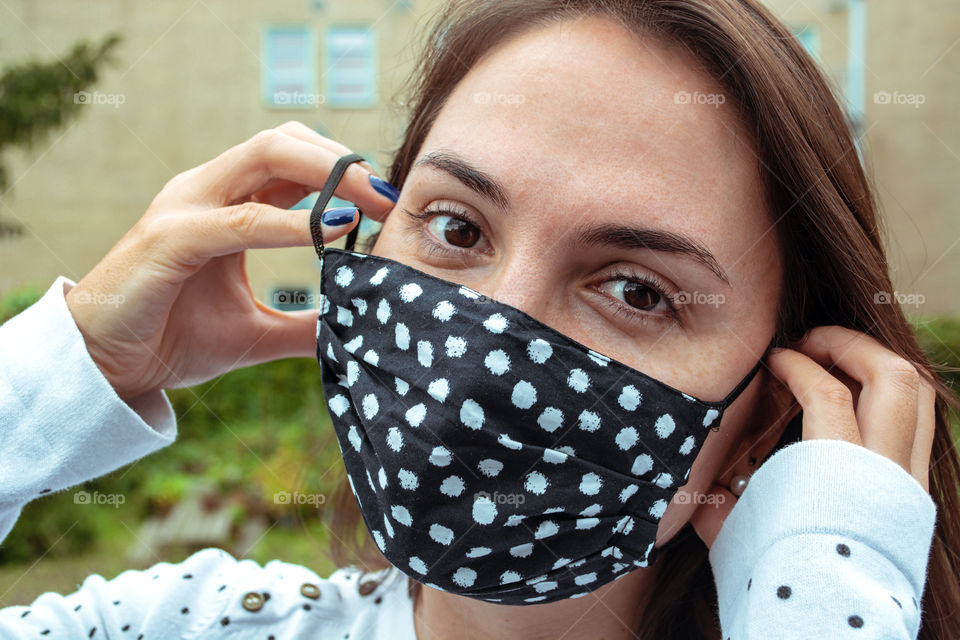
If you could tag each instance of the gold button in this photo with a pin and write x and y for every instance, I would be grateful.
(367, 587)
(310, 590)
(252, 601)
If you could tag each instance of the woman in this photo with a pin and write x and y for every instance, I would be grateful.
(671, 185)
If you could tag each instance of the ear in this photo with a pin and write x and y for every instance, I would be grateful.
(775, 409)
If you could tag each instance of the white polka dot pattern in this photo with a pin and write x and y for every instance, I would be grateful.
(517, 465)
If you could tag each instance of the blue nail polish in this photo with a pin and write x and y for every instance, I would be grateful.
(384, 188)
(338, 216)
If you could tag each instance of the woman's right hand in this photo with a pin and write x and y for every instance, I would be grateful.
(170, 304)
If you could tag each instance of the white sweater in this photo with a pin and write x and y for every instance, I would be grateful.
(829, 540)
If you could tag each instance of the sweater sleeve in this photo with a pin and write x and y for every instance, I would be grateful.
(61, 422)
(828, 539)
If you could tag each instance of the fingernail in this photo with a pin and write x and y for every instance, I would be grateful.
(384, 188)
(339, 216)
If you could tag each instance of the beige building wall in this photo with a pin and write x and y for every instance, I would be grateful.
(190, 77)
(190, 73)
(911, 129)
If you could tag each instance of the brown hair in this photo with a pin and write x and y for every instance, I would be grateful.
(827, 228)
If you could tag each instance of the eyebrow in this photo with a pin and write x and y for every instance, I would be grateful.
(604, 235)
(625, 237)
(479, 181)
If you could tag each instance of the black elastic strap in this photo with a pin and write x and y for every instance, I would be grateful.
(352, 234)
(746, 380)
(316, 215)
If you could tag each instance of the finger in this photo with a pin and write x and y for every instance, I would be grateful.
(299, 130)
(281, 193)
(709, 517)
(285, 334)
(827, 403)
(926, 427)
(251, 225)
(886, 409)
(248, 167)
(305, 133)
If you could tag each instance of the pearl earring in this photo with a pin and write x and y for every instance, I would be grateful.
(738, 484)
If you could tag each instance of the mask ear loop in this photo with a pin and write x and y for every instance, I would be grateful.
(336, 174)
(352, 234)
(733, 395)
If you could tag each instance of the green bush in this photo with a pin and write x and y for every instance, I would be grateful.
(248, 434)
(940, 338)
(16, 300)
(277, 390)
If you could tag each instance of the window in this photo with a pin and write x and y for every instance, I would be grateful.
(289, 76)
(350, 67)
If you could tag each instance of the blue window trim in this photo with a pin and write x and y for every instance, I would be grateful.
(333, 98)
(268, 92)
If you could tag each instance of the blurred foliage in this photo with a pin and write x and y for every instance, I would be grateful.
(248, 435)
(38, 97)
(16, 300)
(940, 338)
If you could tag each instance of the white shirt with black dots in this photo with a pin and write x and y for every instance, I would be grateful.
(829, 540)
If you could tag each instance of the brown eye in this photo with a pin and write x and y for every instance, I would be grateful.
(455, 231)
(639, 295)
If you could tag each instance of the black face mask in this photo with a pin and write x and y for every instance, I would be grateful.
(492, 456)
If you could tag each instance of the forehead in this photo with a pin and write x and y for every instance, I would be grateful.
(583, 113)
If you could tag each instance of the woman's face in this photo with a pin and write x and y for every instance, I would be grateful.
(600, 183)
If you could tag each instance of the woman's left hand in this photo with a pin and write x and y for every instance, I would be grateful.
(851, 388)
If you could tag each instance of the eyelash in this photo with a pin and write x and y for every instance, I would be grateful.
(426, 238)
(432, 247)
(672, 315)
